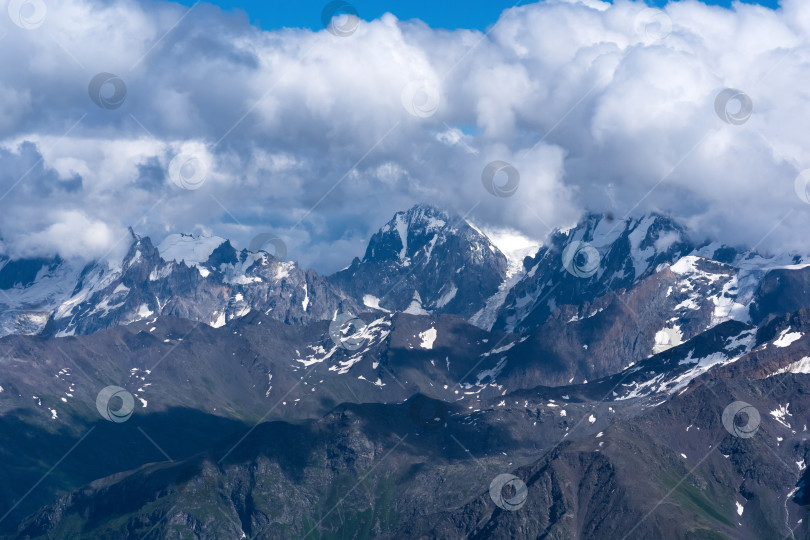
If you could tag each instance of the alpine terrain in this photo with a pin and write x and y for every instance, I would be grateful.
(620, 382)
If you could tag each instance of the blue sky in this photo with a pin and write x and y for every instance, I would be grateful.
(437, 13)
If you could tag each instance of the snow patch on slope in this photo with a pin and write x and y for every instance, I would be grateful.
(800, 366)
(415, 307)
(447, 297)
(428, 337)
(667, 338)
(402, 229)
(786, 338)
(373, 302)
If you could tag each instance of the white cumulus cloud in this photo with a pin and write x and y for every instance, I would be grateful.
(318, 138)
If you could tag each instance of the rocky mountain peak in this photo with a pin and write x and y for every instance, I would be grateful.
(601, 253)
(225, 253)
(428, 252)
(408, 232)
(140, 250)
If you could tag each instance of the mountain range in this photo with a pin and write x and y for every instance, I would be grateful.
(387, 400)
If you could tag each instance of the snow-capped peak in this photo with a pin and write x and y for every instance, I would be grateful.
(451, 265)
(407, 233)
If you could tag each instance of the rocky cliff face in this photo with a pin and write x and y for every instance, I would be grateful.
(426, 260)
(599, 255)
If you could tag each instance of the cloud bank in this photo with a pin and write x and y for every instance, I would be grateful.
(200, 122)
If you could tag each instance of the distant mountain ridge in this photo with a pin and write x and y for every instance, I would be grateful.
(203, 278)
(424, 260)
